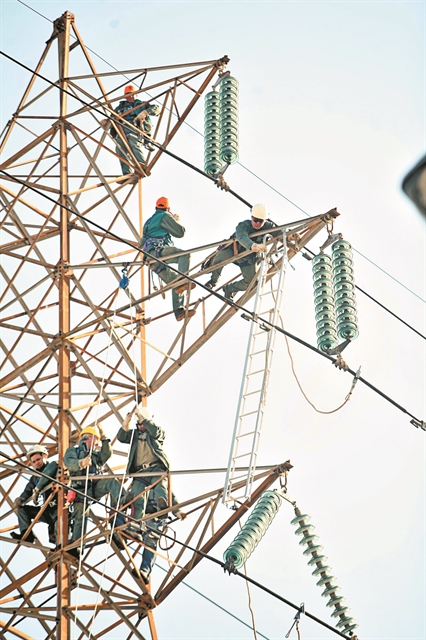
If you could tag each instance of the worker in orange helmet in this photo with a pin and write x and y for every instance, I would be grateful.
(136, 113)
(157, 241)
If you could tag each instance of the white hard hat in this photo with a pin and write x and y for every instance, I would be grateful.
(37, 449)
(259, 211)
(142, 413)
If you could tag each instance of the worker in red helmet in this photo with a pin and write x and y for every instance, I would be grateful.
(157, 241)
(138, 114)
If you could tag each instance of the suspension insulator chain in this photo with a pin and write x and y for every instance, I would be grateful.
(346, 624)
(252, 531)
(344, 291)
(228, 98)
(212, 163)
(324, 302)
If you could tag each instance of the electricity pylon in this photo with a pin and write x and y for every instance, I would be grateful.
(75, 345)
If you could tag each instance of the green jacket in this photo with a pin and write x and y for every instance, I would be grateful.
(50, 469)
(243, 231)
(154, 437)
(161, 225)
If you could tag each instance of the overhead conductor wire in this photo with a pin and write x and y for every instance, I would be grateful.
(211, 177)
(415, 421)
(198, 552)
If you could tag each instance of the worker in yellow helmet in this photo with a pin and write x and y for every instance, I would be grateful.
(88, 459)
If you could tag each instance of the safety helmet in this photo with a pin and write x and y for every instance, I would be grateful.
(37, 449)
(259, 211)
(94, 431)
(142, 413)
(162, 203)
(129, 89)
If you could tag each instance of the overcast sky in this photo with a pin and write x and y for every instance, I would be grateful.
(332, 114)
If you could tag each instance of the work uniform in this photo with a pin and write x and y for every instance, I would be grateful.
(151, 537)
(157, 240)
(96, 488)
(135, 140)
(248, 263)
(27, 513)
(146, 454)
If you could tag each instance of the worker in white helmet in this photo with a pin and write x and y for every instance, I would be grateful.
(37, 457)
(244, 240)
(146, 454)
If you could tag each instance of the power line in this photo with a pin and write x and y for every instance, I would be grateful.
(415, 421)
(251, 172)
(193, 549)
(215, 603)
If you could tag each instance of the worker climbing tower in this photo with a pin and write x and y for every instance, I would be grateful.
(76, 345)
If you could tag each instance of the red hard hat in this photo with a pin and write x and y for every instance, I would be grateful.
(162, 203)
(129, 89)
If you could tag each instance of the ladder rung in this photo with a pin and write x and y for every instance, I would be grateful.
(251, 393)
(250, 413)
(244, 435)
(252, 373)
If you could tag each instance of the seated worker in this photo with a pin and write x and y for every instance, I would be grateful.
(157, 240)
(38, 458)
(87, 459)
(151, 536)
(137, 113)
(146, 454)
(247, 264)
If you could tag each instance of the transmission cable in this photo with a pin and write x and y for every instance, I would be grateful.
(241, 165)
(415, 421)
(211, 178)
(200, 553)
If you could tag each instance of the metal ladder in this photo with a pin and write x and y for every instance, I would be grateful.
(254, 385)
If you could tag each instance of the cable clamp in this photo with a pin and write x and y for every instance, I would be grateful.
(331, 238)
(296, 621)
(418, 423)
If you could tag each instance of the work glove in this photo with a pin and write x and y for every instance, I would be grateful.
(104, 123)
(180, 514)
(143, 413)
(85, 462)
(18, 502)
(35, 496)
(258, 247)
(126, 424)
(154, 110)
(140, 118)
(102, 433)
(176, 217)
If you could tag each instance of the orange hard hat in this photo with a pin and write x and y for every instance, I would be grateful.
(162, 203)
(129, 89)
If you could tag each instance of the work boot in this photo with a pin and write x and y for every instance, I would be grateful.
(229, 294)
(180, 314)
(184, 287)
(210, 284)
(18, 536)
(141, 574)
(117, 541)
(162, 504)
(74, 552)
(133, 532)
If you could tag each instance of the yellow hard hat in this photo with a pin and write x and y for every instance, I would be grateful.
(94, 431)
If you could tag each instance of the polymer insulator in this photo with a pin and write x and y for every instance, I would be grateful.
(212, 162)
(344, 290)
(252, 531)
(346, 623)
(324, 302)
(228, 95)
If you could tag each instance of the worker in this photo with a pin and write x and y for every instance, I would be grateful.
(26, 513)
(146, 454)
(247, 264)
(151, 534)
(137, 113)
(87, 459)
(157, 241)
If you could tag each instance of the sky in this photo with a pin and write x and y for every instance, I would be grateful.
(332, 114)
